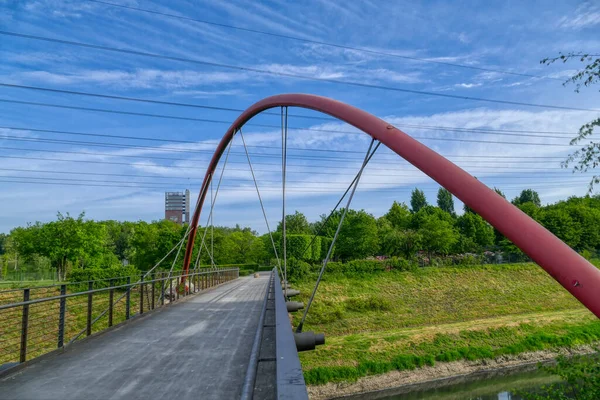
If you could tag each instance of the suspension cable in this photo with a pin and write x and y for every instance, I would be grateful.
(283, 168)
(212, 205)
(339, 227)
(261, 202)
(212, 225)
(320, 230)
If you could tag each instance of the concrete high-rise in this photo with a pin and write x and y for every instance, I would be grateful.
(177, 206)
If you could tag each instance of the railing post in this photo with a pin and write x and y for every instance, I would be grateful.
(141, 294)
(88, 329)
(111, 297)
(177, 288)
(162, 289)
(171, 290)
(153, 284)
(128, 299)
(61, 316)
(24, 326)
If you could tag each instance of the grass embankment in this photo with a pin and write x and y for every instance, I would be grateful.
(403, 320)
(44, 320)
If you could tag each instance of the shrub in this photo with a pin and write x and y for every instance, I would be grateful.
(297, 269)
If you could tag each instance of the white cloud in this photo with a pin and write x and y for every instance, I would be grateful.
(585, 16)
(467, 85)
(140, 78)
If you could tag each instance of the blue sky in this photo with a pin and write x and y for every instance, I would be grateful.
(499, 35)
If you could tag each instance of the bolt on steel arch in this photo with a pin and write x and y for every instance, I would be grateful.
(567, 267)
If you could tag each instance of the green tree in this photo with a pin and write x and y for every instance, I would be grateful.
(3, 240)
(480, 233)
(246, 247)
(559, 222)
(417, 200)
(358, 236)
(500, 192)
(445, 200)
(398, 215)
(295, 223)
(588, 156)
(438, 236)
(424, 213)
(71, 242)
(527, 196)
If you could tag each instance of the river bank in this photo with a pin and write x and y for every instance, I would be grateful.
(441, 374)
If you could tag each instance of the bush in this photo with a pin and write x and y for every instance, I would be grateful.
(297, 269)
(103, 275)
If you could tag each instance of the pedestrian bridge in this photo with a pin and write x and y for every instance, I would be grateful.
(209, 333)
(227, 338)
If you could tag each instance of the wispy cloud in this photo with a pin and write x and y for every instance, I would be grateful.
(467, 85)
(585, 16)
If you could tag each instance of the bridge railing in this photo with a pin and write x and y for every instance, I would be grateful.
(36, 321)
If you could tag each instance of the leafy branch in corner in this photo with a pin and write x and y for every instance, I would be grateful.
(588, 156)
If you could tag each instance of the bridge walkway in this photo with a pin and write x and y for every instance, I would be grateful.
(198, 348)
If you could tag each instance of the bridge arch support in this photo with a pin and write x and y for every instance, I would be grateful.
(567, 267)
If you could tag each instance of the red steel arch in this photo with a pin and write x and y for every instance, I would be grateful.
(571, 270)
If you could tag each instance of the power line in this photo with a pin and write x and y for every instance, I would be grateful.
(215, 142)
(237, 169)
(208, 152)
(151, 101)
(50, 171)
(291, 75)
(425, 127)
(322, 43)
(319, 166)
(258, 125)
(85, 182)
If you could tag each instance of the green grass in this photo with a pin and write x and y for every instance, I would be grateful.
(403, 320)
(25, 284)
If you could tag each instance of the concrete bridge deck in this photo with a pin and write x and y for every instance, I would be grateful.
(195, 349)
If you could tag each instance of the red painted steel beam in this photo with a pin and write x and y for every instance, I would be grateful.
(571, 270)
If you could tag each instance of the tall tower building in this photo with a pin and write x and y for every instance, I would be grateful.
(177, 206)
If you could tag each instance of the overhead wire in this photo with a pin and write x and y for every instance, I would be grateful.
(268, 126)
(239, 110)
(288, 74)
(324, 43)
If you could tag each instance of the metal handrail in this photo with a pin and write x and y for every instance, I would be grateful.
(64, 296)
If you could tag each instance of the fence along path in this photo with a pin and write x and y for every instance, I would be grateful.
(198, 348)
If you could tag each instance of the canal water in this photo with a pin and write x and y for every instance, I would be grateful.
(499, 385)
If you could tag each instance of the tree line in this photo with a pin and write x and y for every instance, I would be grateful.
(408, 231)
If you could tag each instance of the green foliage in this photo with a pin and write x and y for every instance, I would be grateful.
(475, 232)
(445, 201)
(358, 235)
(559, 222)
(295, 224)
(297, 269)
(438, 235)
(398, 216)
(417, 200)
(527, 196)
(588, 156)
(580, 379)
